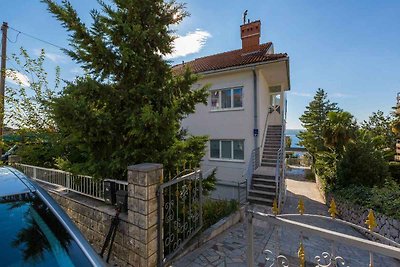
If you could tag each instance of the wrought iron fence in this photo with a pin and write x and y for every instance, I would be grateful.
(273, 256)
(180, 204)
(81, 184)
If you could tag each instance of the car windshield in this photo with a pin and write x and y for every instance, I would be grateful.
(31, 235)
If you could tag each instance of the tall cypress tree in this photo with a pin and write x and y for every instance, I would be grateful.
(129, 107)
(313, 121)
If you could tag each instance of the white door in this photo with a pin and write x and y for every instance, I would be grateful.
(275, 108)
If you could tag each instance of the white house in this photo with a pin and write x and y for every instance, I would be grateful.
(246, 85)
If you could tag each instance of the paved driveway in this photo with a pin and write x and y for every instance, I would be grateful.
(229, 248)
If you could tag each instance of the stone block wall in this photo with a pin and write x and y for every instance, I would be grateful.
(136, 239)
(93, 219)
(388, 227)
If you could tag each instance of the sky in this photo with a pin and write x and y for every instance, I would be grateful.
(350, 48)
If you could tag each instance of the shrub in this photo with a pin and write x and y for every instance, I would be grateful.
(325, 167)
(394, 170)
(39, 154)
(384, 199)
(362, 164)
(215, 210)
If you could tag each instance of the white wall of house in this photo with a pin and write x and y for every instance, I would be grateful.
(235, 124)
(225, 124)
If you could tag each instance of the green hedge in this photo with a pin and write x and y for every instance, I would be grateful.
(215, 210)
(394, 169)
(384, 199)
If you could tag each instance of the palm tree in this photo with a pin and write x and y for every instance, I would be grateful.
(339, 129)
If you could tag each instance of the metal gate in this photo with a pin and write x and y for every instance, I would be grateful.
(180, 204)
(329, 240)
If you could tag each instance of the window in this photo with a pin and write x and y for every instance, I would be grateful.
(227, 99)
(227, 149)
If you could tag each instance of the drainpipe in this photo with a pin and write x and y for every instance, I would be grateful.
(255, 107)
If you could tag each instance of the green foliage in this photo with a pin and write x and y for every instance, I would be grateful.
(380, 127)
(344, 154)
(338, 129)
(384, 199)
(326, 168)
(27, 109)
(209, 182)
(394, 169)
(362, 163)
(288, 141)
(27, 98)
(313, 120)
(215, 210)
(40, 152)
(129, 108)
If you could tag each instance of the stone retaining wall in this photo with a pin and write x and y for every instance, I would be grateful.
(135, 242)
(386, 226)
(94, 220)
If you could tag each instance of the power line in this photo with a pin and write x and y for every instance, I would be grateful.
(16, 39)
(36, 38)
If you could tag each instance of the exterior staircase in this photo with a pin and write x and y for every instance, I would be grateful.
(263, 187)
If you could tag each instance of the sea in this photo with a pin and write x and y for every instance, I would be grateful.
(293, 135)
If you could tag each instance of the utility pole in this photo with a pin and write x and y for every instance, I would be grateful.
(4, 28)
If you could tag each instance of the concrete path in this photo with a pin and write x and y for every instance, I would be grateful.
(230, 248)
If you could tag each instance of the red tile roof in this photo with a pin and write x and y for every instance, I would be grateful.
(229, 59)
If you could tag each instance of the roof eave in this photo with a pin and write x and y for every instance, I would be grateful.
(241, 67)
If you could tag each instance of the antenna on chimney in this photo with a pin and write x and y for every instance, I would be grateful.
(244, 16)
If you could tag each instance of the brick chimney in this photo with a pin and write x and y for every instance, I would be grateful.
(250, 34)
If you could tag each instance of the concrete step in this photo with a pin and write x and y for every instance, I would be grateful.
(270, 149)
(270, 183)
(268, 160)
(268, 165)
(261, 193)
(264, 177)
(265, 188)
(260, 201)
(272, 146)
(269, 157)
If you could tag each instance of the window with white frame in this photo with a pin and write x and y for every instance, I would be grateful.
(231, 98)
(227, 149)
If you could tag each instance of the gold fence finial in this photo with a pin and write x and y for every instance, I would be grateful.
(332, 209)
(300, 207)
(275, 209)
(301, 255)
(371, 220)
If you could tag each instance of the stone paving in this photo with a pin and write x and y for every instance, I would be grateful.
(230, 248)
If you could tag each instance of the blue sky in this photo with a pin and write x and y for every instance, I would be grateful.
(350, 48)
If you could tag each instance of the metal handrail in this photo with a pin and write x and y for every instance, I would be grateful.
(80, 184)
(334, 236)
(279, 179)
(265, 132)
(375, 234)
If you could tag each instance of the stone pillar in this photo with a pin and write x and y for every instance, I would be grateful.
(143, 182)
